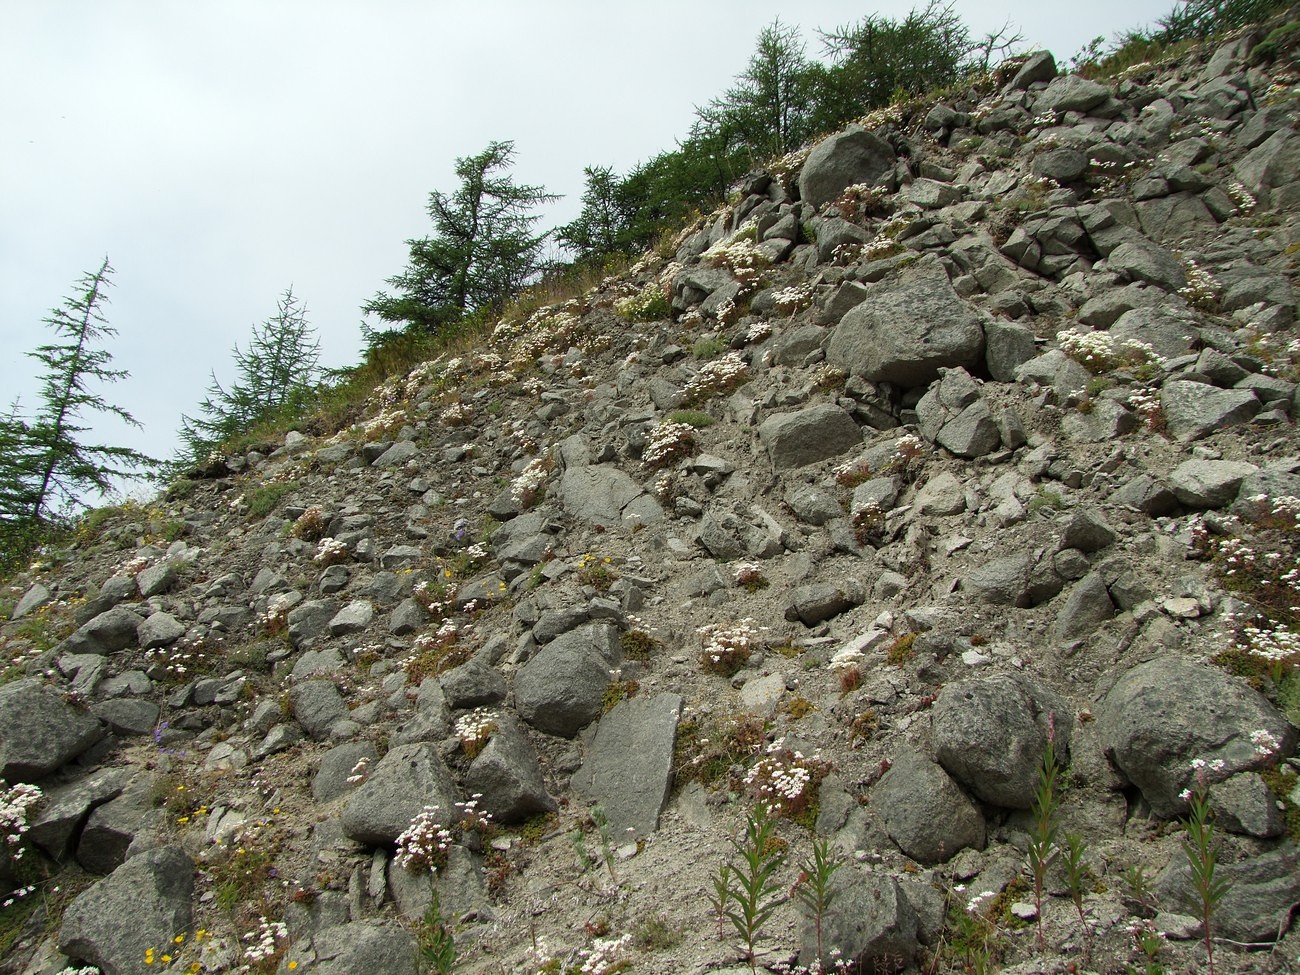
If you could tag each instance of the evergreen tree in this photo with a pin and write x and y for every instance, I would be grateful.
(277, 370)
(484, 251)
(601, 228)
(769, 110)
(46, 465)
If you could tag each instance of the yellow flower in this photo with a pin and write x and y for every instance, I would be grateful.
(179, 939)
(167, 958)
(292, 965)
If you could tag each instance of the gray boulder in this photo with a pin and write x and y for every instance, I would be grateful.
(842, 160)
(66, 807)
(336, 765)
(990, 733)
(1038, 66)
(40, 732)
(406, 780)
(870, 920)
(114, 826)
(352, 618)
(1087, 607)
(819, 601)
(473, 684)
(924, 811)
(604, 495)
(1194, 410)
(1270, 165)
(310, 620)
(506, 773)
(913, 324)
(1209, 483)
(1141, 259)
(361, 946)
(629, 764)
(109, 631)
(1070, 93)
(159, 630)
(317, 705)
(561, 689)
(808, 436)
(143, 904)
(1261, 892)
(1164, 713)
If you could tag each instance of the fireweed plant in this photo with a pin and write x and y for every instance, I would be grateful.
(1199, 850)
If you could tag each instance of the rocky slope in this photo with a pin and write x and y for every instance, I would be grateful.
(969, 427)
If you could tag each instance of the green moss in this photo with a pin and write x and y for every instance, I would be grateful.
(263, 500)
(692, 418)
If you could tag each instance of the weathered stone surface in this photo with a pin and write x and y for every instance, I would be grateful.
(1144, 260)
(40, 732)
(406, 780)
(870, 919)
(1013, 580)
(507, 775)
(156, 579)
(913, 324)
(1087, 607)
(813, 506)
(989, 734)
(1038, 66)
(127, 717)
(561, 689)
(1194, 410)
(110, 631)
(971, 433)
(1270, 165)
(1209, 483)
(159, 630)
(841, 160)
(1163, 713)
(924, 811)
(600, 494)
(141, 905)
(360, 946)
(1007, 347)
(112, 827)
(473, 684)
(629, 765)
(352, 618)
(66, 807)
(1261, 892)
(317, 705)
(1070, 93)
(336, 767)
(310, 620)
(811, 435)
(818, 601)
(34, 598)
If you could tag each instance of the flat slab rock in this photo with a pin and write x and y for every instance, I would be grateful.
(40, 732)
(628, 768)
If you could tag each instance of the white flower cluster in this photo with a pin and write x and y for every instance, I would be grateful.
(741, 257)
(727, 646)
(1274, 646)
(277, 610)
(778, 783)
(1266, 744)
(262, 942)
(330, 551)
(793, 299)
(1240, 195)
(471, 816)
(1202, 289)
(424, 844)
(132, 566)
(718, 376)
(647, 304)
(846, 658)
(604, 955)
(86, 970)
(16, 802)
(526, 485)
(1099, 351)
(667, 442)
(758, 331)
(456, 415)
(1146, 404)
(476, 727)
(385, 422)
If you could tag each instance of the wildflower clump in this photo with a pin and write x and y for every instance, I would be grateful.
(1202, 289)
(647, 305)
(750, 577)
(530, 483)
(722, 375)
(668, 442)
(16, 803)
(331, 551)
(727, 647)
(1100, 352)
(475, 730)
(266, 943)
(786, 781)
(423, 845)
(311, 525)
(790, 300)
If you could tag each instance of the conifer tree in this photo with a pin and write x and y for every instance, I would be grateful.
(279, 367)
(484, 251)
(46, 465)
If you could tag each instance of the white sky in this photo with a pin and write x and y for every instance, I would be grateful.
(220, 152)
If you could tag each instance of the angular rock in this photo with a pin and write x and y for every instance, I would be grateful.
(808, 436)
(1261, 892)
(336, 767)
(40, 732)
(110, 631)
(1144, 260)
(360, 946)
(600, 494)
(1070, 93)
(1087, 607)
(1270, 165)
(1204, 484)
(924, 811)
(971, 433)
(990, 732)
(157, 579)
(406, 780)
(629, 765)
(127, 718)
(506, 773)
(842, 160)
(561, 689)
(813, 603)
(143, 904)
(473, 684)
(913, 324)
(112, 827)
(310, 620)
(317, 705)
(66, 808)
(1194, 410)
(159, 630)
(352, 618)
(870, 920)
(1164, 713)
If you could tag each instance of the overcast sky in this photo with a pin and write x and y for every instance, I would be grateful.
(220, 152)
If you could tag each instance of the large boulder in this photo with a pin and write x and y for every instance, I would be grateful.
(870, 920)
(990, 734)
(1164, 713)
(808, 436)
(1194, 410)
(407, 779)
(140, 906)
(561, 689)
(604, 495)
(629, 765)
(40, 732)
(911, 325)
(842, 160)
(924, 811)
(507, 776)
(361, 946)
